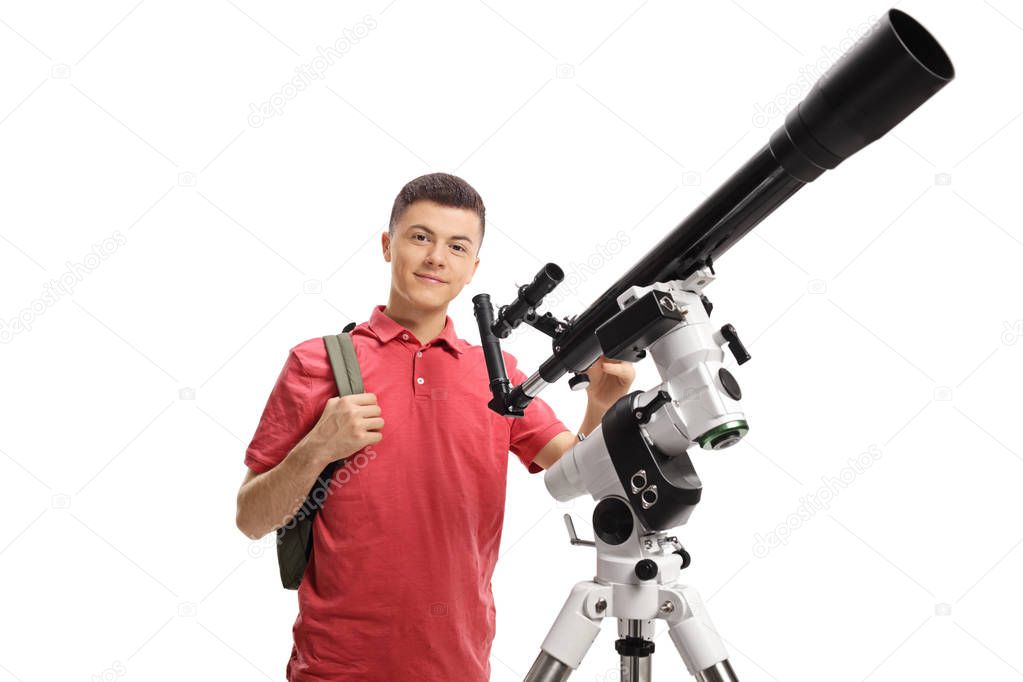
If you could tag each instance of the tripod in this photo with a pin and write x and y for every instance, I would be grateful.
(636, 583)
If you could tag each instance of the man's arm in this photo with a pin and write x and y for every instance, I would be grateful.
(269, 500)
(566, 440)
(609, 381)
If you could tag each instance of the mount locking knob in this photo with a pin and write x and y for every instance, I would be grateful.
(646, 569)
(739, 351)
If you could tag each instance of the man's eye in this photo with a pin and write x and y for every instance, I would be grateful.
(417, 236)
(459, 247)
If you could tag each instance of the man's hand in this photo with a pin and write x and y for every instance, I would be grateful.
(347, 425)
(609, 381)
(268, 500)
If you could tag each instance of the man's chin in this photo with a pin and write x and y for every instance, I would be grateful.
(432, 299)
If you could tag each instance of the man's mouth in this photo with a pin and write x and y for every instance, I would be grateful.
(429, 279)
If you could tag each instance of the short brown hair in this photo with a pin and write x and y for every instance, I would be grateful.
(441, 188)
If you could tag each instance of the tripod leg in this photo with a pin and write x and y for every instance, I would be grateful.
(635, 665)
(719, 672)
(635, 669)
(546, 668)
(572, 634)
(694, 635)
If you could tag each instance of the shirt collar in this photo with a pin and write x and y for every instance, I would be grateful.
(386, 329)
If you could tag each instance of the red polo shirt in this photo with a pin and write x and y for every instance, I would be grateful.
(398, 588)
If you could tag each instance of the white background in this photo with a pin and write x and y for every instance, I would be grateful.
(881, 306)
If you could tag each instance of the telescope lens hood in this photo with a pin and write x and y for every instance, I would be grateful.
(892, 70)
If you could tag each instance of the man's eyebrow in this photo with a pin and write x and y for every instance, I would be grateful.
(424, 228)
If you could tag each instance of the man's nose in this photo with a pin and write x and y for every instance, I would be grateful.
(437, 255)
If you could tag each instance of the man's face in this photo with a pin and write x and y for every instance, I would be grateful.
(432, 253)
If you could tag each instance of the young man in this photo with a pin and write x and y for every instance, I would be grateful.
(398, 586)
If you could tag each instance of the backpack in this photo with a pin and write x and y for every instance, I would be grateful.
(295, 538)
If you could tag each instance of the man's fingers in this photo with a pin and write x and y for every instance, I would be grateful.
(373, 424)
(364, 398)
(369, 410)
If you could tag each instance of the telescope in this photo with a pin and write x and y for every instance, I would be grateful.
(635, 464)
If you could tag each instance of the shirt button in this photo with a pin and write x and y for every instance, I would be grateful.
(404, 337)
(420, 380)
(419, 354)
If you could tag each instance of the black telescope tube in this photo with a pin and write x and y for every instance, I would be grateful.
(755, 190)
(894, 69)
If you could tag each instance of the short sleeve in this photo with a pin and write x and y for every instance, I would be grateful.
(286, 419)
(530, 433)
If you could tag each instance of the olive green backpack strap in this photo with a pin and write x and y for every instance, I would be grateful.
(295, 539)
(345, 364)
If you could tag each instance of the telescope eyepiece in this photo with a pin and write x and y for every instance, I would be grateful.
(529, 298)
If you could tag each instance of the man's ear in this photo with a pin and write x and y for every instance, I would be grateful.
(385, 244)
(474, 266)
